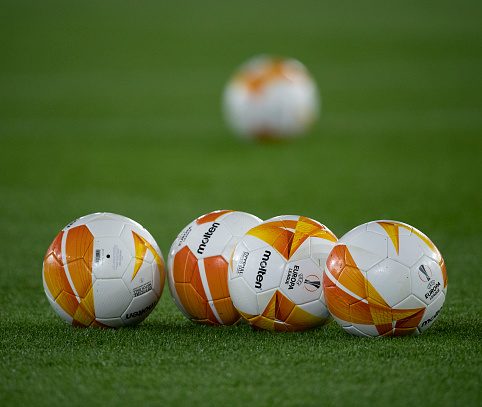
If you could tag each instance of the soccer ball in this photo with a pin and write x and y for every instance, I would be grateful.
(198, 266)
(271, 98)
(385, 278)
(275, 274)
(103, 270)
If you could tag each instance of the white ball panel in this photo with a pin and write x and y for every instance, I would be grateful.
(369, 330)
(229, 248)
(365, 259)
(84, 220)
(301, 281)
(341, 322)
(356, 331)
(426, 249)
(111, 257)
(264, 298)
(140, 307)
(263, 270)
(208, 239)
(369, 242)
(432, 312)
(316, 308)
(100, 227)
(239, 256)
(253, 243)
(346, 238)
(243, 297)
(427, 280)
(409, 251)
(411, 302)
(392, 281)
(181, 238)
(111, 298)
(240, 222)
(302, 252)
(320, 250)
(142, 280)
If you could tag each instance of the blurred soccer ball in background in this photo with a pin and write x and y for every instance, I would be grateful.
(103, 270)
(385, 278)
(276, 271)
(198, 266)
(271, 98)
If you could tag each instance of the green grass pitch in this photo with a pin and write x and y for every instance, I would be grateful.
(115, 106)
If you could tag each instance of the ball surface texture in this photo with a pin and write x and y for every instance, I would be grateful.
(198, 266)
(385, 278)
(103, 270)
(276, 271)
(271, 98)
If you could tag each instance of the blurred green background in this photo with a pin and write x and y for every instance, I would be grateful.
(115, 106)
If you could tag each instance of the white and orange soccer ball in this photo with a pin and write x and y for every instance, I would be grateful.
(198, 266)
(276, 271)
(271, 98)
(385, 278)
(103, 270)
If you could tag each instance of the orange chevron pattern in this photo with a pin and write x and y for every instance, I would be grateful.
(274, 69)
(54, 272)
(281, 314)
(141, 246)
(78, 252)
(192, 292)
(430, 244)
(444, 271)
(188, 285)
(355, 300)
(216, 273)
(392, 230)
(286, 236)
(212, 216)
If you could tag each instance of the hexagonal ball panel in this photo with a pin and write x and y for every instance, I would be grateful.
(316, 308)
(264, 298)
(432, 313)
(409, 251)
(367, 248)
(320, 249)
(426, 279)
(111, 257)
(142, 281)
(348, 236)
(302, 252)
(243, 297)
(252, 242)
(111, 298)
(106, 227)
(140, 307)
(263, 269)
(239, 223)
(208, 239)
(301, 281)
(391, 280)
